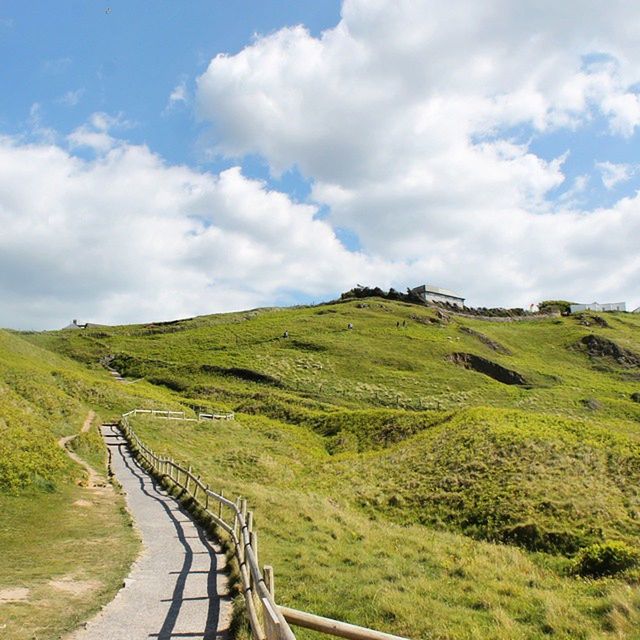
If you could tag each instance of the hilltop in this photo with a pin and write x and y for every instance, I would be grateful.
(420, 455)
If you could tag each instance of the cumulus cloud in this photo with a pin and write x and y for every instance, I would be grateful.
(126, 237)
(614, 174)
(401, 116)
(95, 134)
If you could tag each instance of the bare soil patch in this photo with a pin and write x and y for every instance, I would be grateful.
(14, 594)
(488, 368)
(599, 347)
(72, 586)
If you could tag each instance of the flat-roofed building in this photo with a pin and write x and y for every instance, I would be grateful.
(596, 306)
(431, 293)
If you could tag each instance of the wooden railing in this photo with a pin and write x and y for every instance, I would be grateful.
(180, 415)
(267, 620)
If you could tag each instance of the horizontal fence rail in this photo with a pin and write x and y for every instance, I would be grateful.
(267, 620)
(179, 415)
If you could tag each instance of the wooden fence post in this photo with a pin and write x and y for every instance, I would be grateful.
(253, 540)
(269, 580)
(236, 520)
(195, 488)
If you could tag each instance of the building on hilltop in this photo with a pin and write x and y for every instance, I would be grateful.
(430, 293)
(595, 306)
(636, 310)
(74, 325)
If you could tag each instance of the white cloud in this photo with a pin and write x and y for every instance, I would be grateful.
(179, 95)
(95, 134)
(125, 237)
(614, 174)
(36, 127)
(400, 117)
(71, 98)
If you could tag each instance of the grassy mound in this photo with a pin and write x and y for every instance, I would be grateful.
(542, 482)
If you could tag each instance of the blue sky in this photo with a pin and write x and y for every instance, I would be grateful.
(236, 154)
(129, 60)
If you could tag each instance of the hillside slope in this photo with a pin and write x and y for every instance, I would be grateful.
(65, 546)
(429, 428)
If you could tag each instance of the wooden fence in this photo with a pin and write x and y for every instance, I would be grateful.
(267, 620)
(179, 415)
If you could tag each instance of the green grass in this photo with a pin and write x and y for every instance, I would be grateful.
(69, 550)
(51, 528)
(392, 487)
(338, 560)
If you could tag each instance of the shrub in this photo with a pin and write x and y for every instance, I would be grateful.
(605, 559)
(175, 384)
(547, 306)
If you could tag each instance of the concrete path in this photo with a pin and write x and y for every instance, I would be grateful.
(176, 589)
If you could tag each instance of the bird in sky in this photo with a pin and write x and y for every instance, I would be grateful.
(108, 10)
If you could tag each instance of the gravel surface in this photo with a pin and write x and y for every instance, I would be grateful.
(176, 588)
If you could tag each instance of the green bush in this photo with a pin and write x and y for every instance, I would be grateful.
(605, 559)
(547, 306)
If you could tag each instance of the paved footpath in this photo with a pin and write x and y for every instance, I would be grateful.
(177, 588)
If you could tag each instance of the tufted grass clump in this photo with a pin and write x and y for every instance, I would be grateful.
(606, 559)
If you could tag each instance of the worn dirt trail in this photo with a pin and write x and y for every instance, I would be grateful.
(177, 588)
(94, 480)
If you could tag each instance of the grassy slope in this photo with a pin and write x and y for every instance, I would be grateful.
(66, 544)
(368, 454)
(340, 561)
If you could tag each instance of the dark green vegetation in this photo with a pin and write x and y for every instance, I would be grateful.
(562, 306)
(425, 473)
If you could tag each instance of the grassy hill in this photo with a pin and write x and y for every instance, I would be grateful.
(426, 473)
(65, 546)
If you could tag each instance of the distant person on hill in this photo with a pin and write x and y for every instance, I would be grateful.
(350, 326)
(285, 334)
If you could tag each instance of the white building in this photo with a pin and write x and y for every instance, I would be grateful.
(595, 306)
(430, 293)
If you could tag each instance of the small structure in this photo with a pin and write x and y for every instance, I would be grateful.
(431, 293)
(595, 306)
(74, 325)
(636, 310)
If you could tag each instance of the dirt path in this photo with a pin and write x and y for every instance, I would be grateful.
(177, 588)
(94, 480)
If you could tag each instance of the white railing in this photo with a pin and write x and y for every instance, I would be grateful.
(267, 620)
(179, 415)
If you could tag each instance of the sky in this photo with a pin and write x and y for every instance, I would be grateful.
(161, 160)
